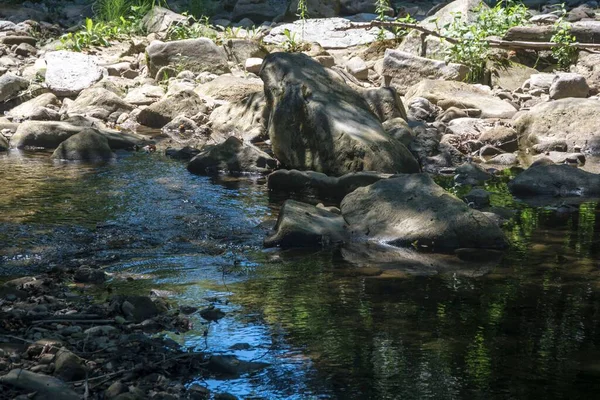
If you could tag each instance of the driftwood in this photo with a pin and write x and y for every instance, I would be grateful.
(493, 42)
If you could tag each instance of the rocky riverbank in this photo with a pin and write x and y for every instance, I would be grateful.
(360, 121)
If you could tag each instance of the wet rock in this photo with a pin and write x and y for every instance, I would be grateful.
(185, 153)
(230, 365)
(304, 225)
(462, 95)
(98, 103)
(233, 156)
(184, 103)
(555, 180)
(89, 275)
(225, 396)
(412, 209)
(68, 73)
(212, 314)
(114, 390)
(51, 388)
(319, 123)
(403, 70)
(88, 145)
(68, 366)
(573, 120)
(322, 185)
(11, 85)
(196, 55)
(568, 85)
(138, 308)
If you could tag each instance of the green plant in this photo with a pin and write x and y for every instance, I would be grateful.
(200, 8)
(471, 46)
(190, 29)
(290, 43)
(400, 32)
(302, 14)
(92, 34)
(232, 33)
(381, 7)
(565, 53)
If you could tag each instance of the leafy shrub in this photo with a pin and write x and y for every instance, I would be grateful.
(472, 48)
(564, 54)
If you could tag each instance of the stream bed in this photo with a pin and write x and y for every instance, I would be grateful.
(328, 326)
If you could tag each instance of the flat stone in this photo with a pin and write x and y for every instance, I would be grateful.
(68, 73)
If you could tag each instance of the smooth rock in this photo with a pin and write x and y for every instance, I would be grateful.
(144, 95)
(358, 68)
(412, 209)
(98, 103)
(568, 85)
(196, 55)
(184, 103)
(88, 145)
(31, 108)
(68, 73)
(11, 85)
(68, 366)
(304, 225)
(555, 180)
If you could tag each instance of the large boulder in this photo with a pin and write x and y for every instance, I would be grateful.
(46, 386)
(195, 55)
(572, 120)
(246, 118)
(87, 145)
(50, 134)
(510, 76)
(99, 103)
(232, 156)
(414, 210)
(184, 103)
(304, 225)
(568, 85)
(68, 73)
(555, 180)
(462, 95)
(432, 46)
(402, 70)
(239, 50)
(11, 85)
(318, 123)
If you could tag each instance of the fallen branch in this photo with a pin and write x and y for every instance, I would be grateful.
(499, 43)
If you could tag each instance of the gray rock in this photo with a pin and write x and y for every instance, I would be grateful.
(421, 109)
(50, 134)
(230, 88)
(478, 198)
(353, 7)
(68, 366)
(68, 73)
(31, 108)
(573, 120)
(412, 209)
(11, 85)
(239, 50)
(144, 95)
(259, 10)
(319, 184)
(18, 40)
(51, 388)
(253, 65)
(3, 143)
(399, 129)
(568, 85)
(159, 19)
(25, 50)
(501, 136)
(233, 156)
(317, 122)
(358, 68)
(384, 102)
(462, 95)
(555, 180)
(504, 159)
(98, 103)
(324, 31)
(403, 70)
(231, 365)
(316, 8)
(588, 65)
(304, 225)
(246, 118)
(184, 103)
(88, 145)
(541, 81)
(196, 55)
(511, 76)
(89, 275)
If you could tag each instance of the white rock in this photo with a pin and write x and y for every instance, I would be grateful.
(68, 73)
(358, 68)
(253, 65)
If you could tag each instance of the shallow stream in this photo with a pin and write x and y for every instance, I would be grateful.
(329, 325)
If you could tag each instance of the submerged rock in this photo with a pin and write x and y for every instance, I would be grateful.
(555, 180)
(88, 145)
(233, 156)
(304, 225)
(413, 210)
(318, 123)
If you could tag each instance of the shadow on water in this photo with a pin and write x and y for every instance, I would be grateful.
(331, 326)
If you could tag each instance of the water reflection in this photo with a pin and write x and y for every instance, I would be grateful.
(331, 324)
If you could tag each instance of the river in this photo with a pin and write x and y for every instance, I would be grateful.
(329, 326)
